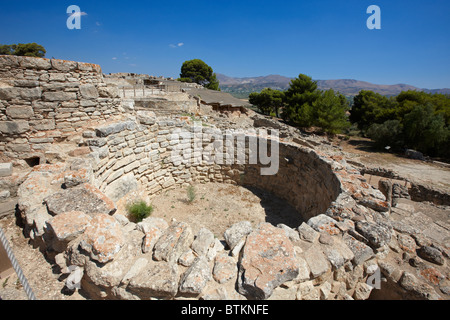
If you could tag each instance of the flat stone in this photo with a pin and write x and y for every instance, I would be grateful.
(303, 270)
(20, 112)
(307, 233)
(196, 277)
(115, 128)
(375, 204)
(317, 262)
(324, 223)
(173, 243)
(237, 232)
(14, 127)
(59, 96)
(119, 188)
(362, 291)
(431, 254)
(156, 280)
(361, 251)
(203, 240)
(85, 198)
(103, 238)
(291, 233)
(406, 243)
(225, 268)
(89, 91)
(69, 225)
(6, 169)
(378, 235)
(267, 261)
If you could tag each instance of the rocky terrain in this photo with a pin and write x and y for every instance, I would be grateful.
(75, 154)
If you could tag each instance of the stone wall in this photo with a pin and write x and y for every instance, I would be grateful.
(132, 154)
(43, 101)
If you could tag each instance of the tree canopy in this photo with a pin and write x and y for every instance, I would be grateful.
(306, 106)
(268, 102)
(197, 71)
(413, 119)
(23, 49)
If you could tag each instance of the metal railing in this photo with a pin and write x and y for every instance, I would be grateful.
(141, 91)
(16, 266)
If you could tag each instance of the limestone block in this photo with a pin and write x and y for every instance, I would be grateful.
(14, 127)
(307, 233)
(237, 232)
(69, 225)
(115, 128)
(323, 223)
(157, 280)
(19, 112)
(89, 91)
(225, 268)
(85, 198)
(64, 65)
(196, 277)
(175, 240)
(103, 238)
(43, 125)
(59, 96)
(317, 262)
(267, 261)
(35, 63)
(6, 169)
(361, 251)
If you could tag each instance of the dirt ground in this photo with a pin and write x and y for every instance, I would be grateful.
(36, 268)
(218, 206)
(430, 173)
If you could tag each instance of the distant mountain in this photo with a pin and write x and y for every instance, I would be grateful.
(242, 87)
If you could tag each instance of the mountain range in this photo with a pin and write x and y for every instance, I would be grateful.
(242, 87)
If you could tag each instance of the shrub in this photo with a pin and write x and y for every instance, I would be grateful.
(139, 210)
(191, 194)
(388, 133)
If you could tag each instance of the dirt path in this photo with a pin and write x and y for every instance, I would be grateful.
(360, 150)
(37, 270)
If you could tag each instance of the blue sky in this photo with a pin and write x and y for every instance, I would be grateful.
(324, 39)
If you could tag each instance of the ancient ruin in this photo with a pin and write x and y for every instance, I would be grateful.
(76, 146)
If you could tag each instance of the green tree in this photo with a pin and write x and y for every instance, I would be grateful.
(24, 49)
(370, 107)
(425, 130)
(197, 71)
(389, 133)
(330, 112)
(269, 101)
(299, 98)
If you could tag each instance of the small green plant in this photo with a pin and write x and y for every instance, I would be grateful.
(139, 210)
(191, 194)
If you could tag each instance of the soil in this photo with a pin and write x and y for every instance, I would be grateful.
(430, 173)
(218, 206)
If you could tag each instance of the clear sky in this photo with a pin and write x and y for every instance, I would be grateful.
(325, 39)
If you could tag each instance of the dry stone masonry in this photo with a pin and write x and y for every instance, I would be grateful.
(342, 245)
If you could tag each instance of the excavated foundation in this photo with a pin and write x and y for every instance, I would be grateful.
(343, 244)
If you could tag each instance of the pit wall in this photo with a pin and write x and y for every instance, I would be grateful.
(130, 154)
(43, 101)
